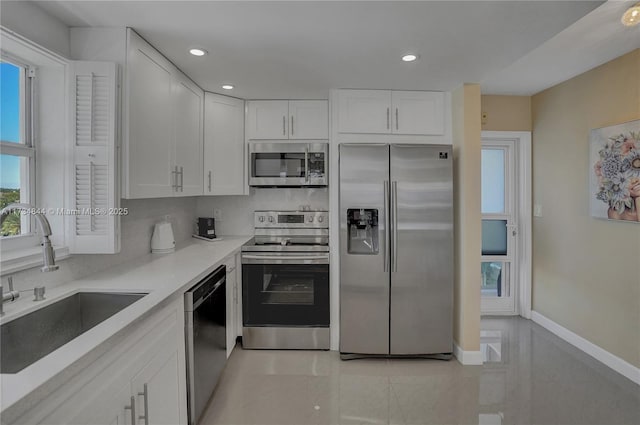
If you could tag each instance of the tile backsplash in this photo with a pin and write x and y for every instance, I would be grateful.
(237, 211)
(137, 228)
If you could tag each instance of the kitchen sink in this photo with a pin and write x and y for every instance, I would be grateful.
(27, 339)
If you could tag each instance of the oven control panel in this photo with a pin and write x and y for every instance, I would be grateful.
(291, 219)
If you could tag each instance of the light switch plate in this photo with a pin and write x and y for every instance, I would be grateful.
(537, 210)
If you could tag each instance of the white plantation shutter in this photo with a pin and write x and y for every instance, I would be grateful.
(94, 199)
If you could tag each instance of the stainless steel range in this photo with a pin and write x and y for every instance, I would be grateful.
(285, 281)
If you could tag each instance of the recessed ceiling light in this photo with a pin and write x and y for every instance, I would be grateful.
(227, 86)
(632, 16)
(409, 58)
(198, 52)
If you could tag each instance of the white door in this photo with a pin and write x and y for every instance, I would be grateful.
(364, 111)
(268, 119)
(224, 160)
(187, 114)
(308, 119)
(150, 137)
(499, 228)
(417, 112)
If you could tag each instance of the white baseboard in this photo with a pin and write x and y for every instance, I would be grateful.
(614, 362)
(467, 358)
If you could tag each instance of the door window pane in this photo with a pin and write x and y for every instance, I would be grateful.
(494, 237)
(492, 278)
(492, 181)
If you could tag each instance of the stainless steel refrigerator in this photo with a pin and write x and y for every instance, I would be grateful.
(396, 249)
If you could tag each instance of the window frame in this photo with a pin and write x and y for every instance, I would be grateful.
(26, 148)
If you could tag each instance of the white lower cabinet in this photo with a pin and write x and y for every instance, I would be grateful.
(139, 381)
(233, 302)
(156, 390)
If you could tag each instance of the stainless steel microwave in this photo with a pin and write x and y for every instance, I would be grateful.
(286, 164)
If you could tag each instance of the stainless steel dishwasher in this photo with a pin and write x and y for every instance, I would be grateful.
(205, 315)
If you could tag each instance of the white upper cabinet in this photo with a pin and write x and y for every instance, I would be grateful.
(391, 112)
(308, 119)
(283, 119)
(148, 143)
(268, 119)
(364, 111)
(162, 126)
(417, 112)
(224, 147)
(162, 115)
(188, 128)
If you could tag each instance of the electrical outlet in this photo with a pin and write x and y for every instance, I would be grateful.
(217, 214)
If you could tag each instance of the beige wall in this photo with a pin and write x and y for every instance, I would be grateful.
(506, 113)
(466, 156)
(586, 272)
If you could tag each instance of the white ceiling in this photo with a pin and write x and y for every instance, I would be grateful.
(302, 49)
(595, 39)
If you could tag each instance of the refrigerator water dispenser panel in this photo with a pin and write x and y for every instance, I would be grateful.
(362, 225)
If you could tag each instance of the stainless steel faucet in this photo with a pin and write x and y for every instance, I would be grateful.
(11, 295)
(45, 229)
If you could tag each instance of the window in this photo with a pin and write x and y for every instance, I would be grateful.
(17, 155)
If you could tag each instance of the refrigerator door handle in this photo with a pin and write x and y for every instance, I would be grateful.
(394, 225)
(387, 222)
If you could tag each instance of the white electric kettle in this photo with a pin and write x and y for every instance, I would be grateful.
(162, 241)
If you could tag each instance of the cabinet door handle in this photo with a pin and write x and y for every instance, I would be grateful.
(209, 180)
(133, 410)
(284, 125)
(145, 393)
(397, 119)
(174, 178)
(387, 118)
(292, 131)
(181, 179)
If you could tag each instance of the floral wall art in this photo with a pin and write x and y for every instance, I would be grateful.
(615, 172)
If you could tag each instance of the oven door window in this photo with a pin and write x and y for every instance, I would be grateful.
(278, 164)
(285, 294)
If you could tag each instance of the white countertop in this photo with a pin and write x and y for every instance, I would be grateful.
(164, 277)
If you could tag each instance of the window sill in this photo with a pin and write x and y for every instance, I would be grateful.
(24, 259)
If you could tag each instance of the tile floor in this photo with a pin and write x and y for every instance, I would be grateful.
(530, 377)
